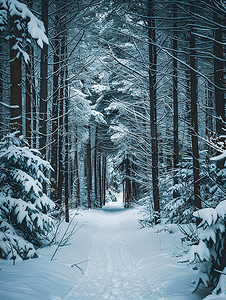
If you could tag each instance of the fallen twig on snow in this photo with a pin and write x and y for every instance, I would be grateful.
(76, 265)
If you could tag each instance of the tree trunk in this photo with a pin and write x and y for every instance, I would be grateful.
(153, 107)
(194, 120)
(28, 96)
(77, 182)
(100, 176)
(175, 94)
(127, 184)
(66, 166)
(34, 103)
(43, 83)
(95, 167)
(55, 114)
(218, 80)
(61, 123)
(103, 196)
(16, 85)
(89, 172)
(5, 90)
(218, 75)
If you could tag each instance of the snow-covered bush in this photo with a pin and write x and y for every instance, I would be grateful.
(178, 198)
(24, 208)
(178, 205)
(209, 255)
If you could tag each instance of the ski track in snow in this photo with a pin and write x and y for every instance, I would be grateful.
(112, 273)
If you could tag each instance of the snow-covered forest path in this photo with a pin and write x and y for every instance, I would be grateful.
(123, 264)
(119, 260)
(112, 272)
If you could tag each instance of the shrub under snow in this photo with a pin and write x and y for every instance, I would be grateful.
(24, 208)
(209, 254)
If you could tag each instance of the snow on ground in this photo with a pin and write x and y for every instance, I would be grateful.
(120, 262)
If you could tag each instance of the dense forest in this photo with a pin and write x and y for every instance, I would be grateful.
(98, 97)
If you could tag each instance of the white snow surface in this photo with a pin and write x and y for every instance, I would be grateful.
(120, 261)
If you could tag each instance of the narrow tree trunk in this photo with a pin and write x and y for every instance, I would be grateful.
(89, 172)
(66, 145)
(219, 80)
(175, 101)
(5, 92)
(100, 176)
(61, 127)
(209, 114)
(175, 93)
(104, 160)
(218, 75)
(34, 103)
(77, 182)
(28, 96)
(55, 114)
(153, 104)
(127, 184)
(194, 121)
(95, 167)
(133, 183)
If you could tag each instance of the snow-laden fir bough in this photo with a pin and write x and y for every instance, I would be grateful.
(24, 207)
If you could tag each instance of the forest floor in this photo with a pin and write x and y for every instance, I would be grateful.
(120, 261)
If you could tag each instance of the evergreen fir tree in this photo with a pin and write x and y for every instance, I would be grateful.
(24, 208)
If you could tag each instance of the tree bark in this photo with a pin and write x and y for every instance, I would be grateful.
(153, 107)
(77, 182)
(175, 94)
(16, 85)
(218, 75)
(127, 184)
(103, 189)
(43, 83)
(28, 95)
(89, 172)
(194, 120)
(95, 167)
(55, 115)
(100, 176)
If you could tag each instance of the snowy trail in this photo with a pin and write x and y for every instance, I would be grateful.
(112, 273)
(120, 262)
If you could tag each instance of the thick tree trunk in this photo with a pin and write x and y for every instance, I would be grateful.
(43, 83)
(16, 86)
(194, 121)
(153, 104)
